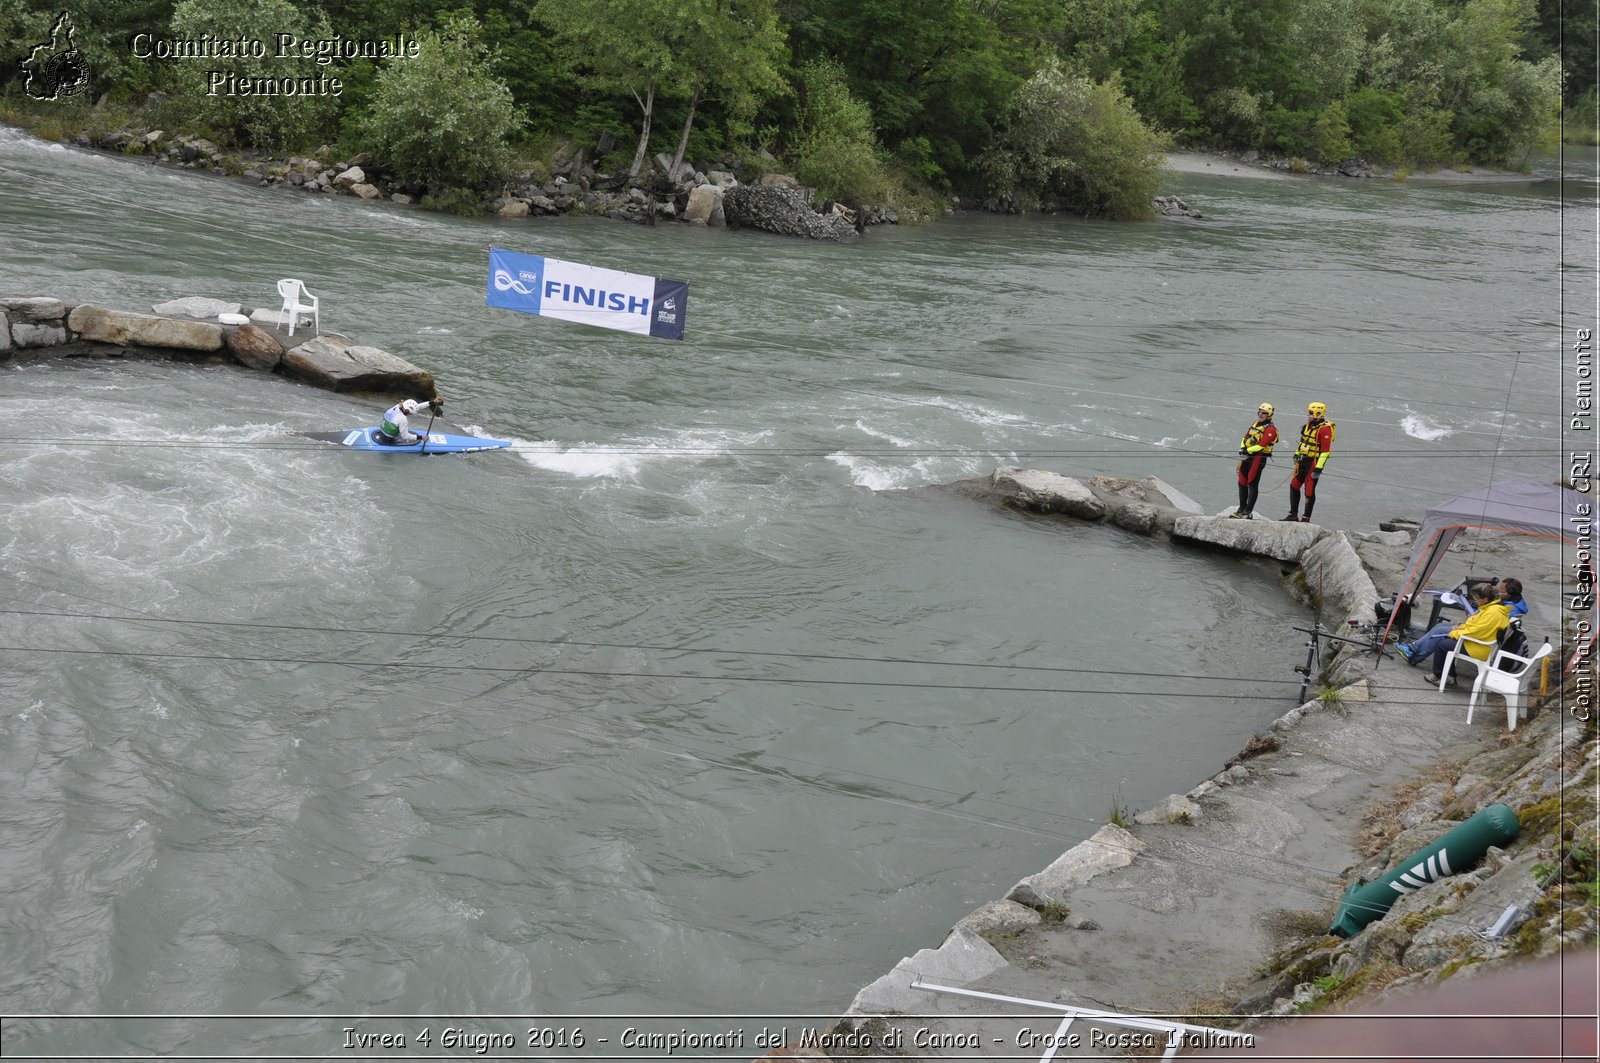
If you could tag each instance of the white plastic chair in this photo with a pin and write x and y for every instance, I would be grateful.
(1510, 683)
(293, 291)
(1458, 652)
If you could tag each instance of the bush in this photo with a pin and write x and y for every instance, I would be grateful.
(443, 119)
(1330, 134)
(1288, 130)
(1374, 124)
(837, 150)
(1072, 143)
(269, 121)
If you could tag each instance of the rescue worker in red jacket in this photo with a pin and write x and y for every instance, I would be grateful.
(1316, 440)
(1254, 449)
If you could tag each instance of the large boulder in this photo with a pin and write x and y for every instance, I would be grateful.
(705, 206)
(784, 211)
(34, 310)
(254, 347)
(196, 306)
(1280, 539)
(330, 362)
(97, 324)
(25, 335)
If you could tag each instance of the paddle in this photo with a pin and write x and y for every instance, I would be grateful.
(425, 432)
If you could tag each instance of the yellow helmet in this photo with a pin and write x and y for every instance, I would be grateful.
(1266, 408)
(1317, 409)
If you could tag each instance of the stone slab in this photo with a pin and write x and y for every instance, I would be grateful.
(196, 306)
(97, 324)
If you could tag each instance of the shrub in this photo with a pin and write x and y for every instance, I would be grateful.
(1073, 143)
(443, 118)
(837, 150)
(1330, 134)
(271, 121)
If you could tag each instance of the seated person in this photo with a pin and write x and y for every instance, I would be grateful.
(1510, 591)
(394, 430)
(1489, 618)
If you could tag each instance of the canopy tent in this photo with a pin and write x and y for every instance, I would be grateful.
(1521, 507)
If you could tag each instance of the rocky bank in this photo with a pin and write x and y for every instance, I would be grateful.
(1214, 907)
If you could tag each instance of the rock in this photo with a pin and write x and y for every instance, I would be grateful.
(1137, 517)
(516, 208)
(964, 957)
(355, 175)
(1334, 573)
(254, 347)
(1173, 207)
(1272, 538)
(401, 198)
(1174, 808)
(1109, 848)
(663, 165)
(32, 309)
(124, 328)
(196, 306)
(1384, 538)
(779, 180)
(721, 178)
(703, 203)
(365, 191)
(1046, 492)
(154, 136)
(1165, 492)
(1000, 917)
(38, 335)
(5, 332)
(340, 366)
(784, 211)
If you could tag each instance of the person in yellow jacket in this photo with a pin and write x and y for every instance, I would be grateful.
(1254, 450)
(1485, 625)
(1316, 440)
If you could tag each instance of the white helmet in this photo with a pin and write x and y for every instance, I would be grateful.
(408, 407)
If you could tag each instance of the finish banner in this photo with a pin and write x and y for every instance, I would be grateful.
(606, 298)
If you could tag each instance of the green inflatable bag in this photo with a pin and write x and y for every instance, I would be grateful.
(1460, 848)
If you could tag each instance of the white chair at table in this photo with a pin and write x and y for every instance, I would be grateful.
(1458, 652)
(1510, 682)
(293, 291)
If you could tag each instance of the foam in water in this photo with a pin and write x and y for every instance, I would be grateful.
(581, 461)
(1419, 428)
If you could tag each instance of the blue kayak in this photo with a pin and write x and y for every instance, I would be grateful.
(432, 443)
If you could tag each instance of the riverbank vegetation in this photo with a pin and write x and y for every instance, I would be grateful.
(1018, 104)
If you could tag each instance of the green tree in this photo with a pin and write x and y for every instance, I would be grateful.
(935, 73)
(1073, 143)
(1330, 133)
(729, 50)
(836, 150)
(275, 120)
(443, 119)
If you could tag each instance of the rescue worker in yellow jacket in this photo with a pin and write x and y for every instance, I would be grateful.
(1254, 450)
(1316, 440)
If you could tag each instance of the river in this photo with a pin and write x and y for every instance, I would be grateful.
(698, 702)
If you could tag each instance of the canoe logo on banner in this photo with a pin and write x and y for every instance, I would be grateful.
(1431, 870)
(504, 282)
(668, 311)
